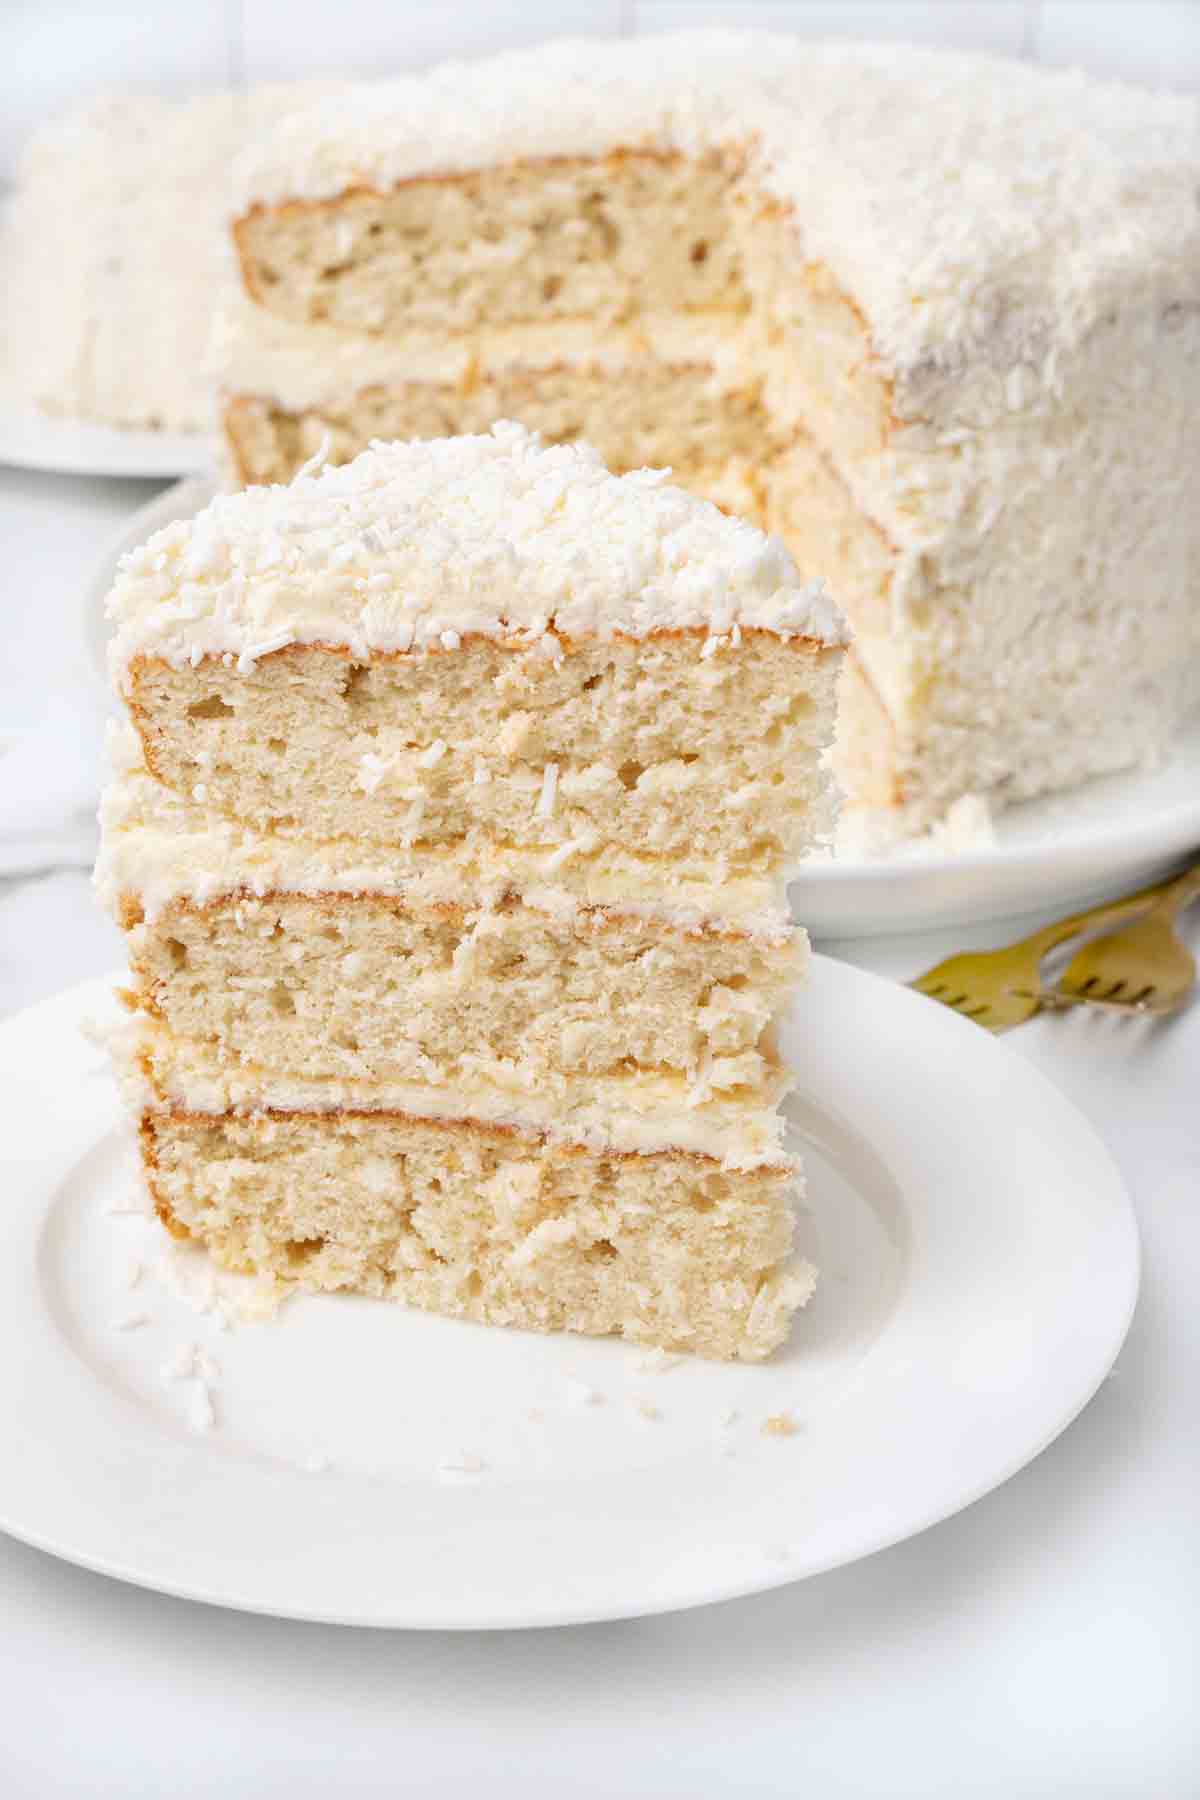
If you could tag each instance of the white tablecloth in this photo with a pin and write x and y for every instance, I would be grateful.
(1042, 1643)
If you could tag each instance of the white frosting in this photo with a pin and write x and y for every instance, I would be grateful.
(971, 206)
(158, 848)
(296, 366)
(412, 546)
(113, 249)
(641, 1113)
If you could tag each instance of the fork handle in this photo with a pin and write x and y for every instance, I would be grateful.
(1177, 894)
(1178, 890)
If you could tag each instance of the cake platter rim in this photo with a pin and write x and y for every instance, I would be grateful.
(1061, 852)
(925, 1425)
(57, 445)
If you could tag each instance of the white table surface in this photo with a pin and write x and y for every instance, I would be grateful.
(1042, 1643)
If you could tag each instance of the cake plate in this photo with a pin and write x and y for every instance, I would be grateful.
(350, 1461)
(31, 440)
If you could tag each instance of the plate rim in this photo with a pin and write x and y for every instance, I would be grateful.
(52, 445)
(1116, 1213)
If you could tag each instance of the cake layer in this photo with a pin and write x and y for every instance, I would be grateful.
(564, 238)
(638, 413)
(635, 1112)
(367, 988)
(485, 1224)
(653, 744)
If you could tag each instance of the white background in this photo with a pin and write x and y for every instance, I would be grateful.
(1042, 1644)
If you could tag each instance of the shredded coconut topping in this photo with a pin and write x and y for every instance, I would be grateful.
(497, 535)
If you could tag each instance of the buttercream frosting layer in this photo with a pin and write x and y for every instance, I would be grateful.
(644, 1113)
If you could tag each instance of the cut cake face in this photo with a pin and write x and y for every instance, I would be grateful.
(450, 834)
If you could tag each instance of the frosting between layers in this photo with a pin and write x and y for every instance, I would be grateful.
(646, 1113)
(298, 366)
(159, 848)
(412, 546)
(890, 156)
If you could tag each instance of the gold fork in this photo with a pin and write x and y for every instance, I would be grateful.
(1002, 988)
(1143, 968)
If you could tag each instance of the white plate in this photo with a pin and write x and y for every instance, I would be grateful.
(32, 440)
(979, 1261)
(1067, 850)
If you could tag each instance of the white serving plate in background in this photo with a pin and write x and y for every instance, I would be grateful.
(979, 1262)
(1053, 854)
(31, 440)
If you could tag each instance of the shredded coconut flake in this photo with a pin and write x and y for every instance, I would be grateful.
(317, 460)
(547, 797)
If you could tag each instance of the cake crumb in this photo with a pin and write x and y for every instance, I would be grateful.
(201, 1414)
(580, 1394)
(646, 1409)
(134, 1272)
(94, 1031)
(128, 1206)
(657, 1362)
(98, 1036)
(779, 1425)
(180, 1366)
(465, 1464)
(536, 1416)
